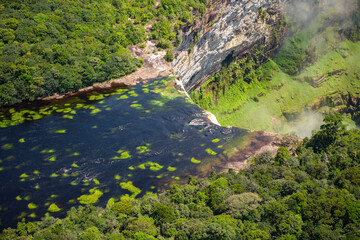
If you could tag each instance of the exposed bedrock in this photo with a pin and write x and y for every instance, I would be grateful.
(230, 29)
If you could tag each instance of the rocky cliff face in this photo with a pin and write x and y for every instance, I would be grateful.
(230, 28)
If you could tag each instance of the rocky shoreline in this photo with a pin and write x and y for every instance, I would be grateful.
(260, 142)
(154, 67)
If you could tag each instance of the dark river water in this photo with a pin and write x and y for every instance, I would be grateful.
(113, 143)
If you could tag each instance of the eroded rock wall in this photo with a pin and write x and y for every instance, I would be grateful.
(230, 28)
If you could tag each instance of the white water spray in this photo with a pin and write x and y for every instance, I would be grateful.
(210, 116)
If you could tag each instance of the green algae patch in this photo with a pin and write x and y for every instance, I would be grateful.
(171, 169)
(143, 149)
(117, 177)
(24, 175)
(1, 169)
(32, 215)
(36, 172)
(47, 151)
(96, 181)
(193, 160)
(91, 198)
(220, 146)
(215, 140)
(27, 198)
(7, 146)
(21, 140)
(122, 97)
(157, 103)
(133, 93)
(131, 188)
(95, 111)
(142, 166)
(65, 175)
(18, 198)
(136, 105)
(75, 165)
(75, 154)
(210, 151)
(32, 205)
(60, 131)
(156, 167)
(51, 158)
(119, 91)
(167, 90)
(74, 183)
(21, 215)
(131, 168)
(54, 175)
(37, 187)
(68, 116)
(79, 105)
(54, 208)
(123, 155)
(96, 97)
(151, 165)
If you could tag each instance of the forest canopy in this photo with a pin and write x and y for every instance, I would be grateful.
(57, 46)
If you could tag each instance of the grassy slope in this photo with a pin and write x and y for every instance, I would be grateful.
(263, 105)
(295, 94)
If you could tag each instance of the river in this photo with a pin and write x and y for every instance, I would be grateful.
(101, 145)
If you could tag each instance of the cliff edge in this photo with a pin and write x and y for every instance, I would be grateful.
(229, 29)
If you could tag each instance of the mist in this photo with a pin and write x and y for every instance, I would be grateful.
(305, 124)
(303, 11)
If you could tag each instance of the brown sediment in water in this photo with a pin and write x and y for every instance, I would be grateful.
(259, 142)
(254, 143)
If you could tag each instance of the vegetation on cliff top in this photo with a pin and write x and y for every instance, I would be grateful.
(314, 194)
(55, 46)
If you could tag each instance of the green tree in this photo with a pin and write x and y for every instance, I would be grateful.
(329, 132)
(143, 225)
(281, 156)
(163, 213)
(169, 56)
(244, 205)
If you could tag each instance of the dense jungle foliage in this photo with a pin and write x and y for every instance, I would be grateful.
(314, 194)
(49, 46)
